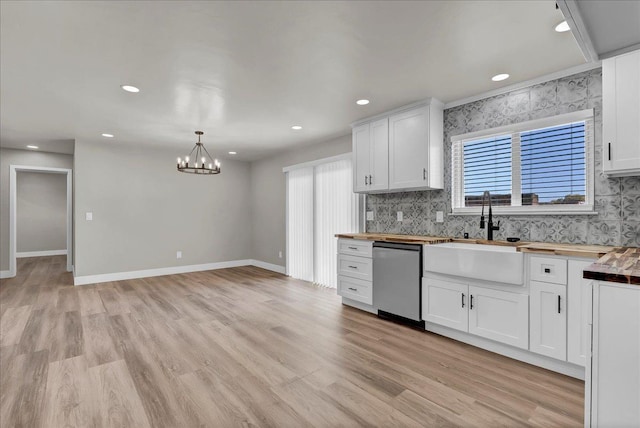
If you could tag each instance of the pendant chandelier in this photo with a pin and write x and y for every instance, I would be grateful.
(199, 160)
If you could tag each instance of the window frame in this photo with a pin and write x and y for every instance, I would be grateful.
(515, 130)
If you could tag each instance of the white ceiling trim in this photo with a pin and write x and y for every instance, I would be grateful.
(569, 9)
(521, 85)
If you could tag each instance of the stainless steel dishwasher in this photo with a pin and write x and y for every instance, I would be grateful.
(397, 271)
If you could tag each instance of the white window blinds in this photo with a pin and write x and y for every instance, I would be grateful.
(320, 203)
(544, 165)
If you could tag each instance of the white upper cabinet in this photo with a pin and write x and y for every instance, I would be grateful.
(361, 139)
(621, 114)
(400, 150)
(370, 156)
(415, 149)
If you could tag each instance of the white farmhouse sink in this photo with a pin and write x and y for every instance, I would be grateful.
(496, 263)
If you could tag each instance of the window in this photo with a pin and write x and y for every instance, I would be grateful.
(320, 203)
(540, 166)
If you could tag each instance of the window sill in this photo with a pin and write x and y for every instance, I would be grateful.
(523, 211)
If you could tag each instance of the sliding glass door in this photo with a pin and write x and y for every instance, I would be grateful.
(320, 203)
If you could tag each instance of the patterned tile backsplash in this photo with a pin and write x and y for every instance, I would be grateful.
(617, 200)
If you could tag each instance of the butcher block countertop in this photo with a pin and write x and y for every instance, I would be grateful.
(573, 250)
(388, 237)
(620, 265)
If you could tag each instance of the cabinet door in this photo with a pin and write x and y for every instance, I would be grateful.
(616, 356)
(549, 319)
(409, 149)
(379, 161)
(499, 315)
(445, 303)
(361, 139)
(621, 114)
(578, 310)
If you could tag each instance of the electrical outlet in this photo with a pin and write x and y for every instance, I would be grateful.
(88, 216)
(439, 217)
(178, 254)
(399, 214)
(279, 254)
(369, 215)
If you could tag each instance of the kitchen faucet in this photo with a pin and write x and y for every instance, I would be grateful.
(490, 227)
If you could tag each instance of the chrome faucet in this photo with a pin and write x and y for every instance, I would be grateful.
(490, 227)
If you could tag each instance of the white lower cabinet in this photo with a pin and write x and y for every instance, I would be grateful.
(499, 315)
(579, 302)
(549, 319)
(355, 289)
(445, 303)
(615, 376)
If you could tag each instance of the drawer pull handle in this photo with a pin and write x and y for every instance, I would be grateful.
(424, 173)
(353, 248)
(353, 267)
(366, 181)
(471, 302)
(463, 300)
(370, 180)
(353, 289)
(547, 270)
(558, 303)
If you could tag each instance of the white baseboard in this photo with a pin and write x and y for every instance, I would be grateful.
(119, 276)
(41, 253)
(524, 355)
(269, 266)
(6, 274)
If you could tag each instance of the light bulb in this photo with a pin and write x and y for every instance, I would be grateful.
(179, 160)
(186, 158)
(203, 159)
(210, 166)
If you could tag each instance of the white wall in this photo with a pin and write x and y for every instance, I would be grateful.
(41, 212)
(144, 210)
(268, 196)
(25, 158)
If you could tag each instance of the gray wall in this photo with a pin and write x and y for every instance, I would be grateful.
(41, 212)
(617, 200)
(144, 210)
(26, 158)
(268, 196)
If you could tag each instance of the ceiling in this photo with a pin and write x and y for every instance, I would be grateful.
(245, 72)
(613, 25)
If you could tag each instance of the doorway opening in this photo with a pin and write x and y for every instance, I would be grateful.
(13, 204)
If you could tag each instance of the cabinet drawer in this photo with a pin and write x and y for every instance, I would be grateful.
(355, 267)
(354, 247)
(546, 269)
(355, 289)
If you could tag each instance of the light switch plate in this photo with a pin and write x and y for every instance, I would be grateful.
(178, 254)
(399, 215)
(89, 216)
(369, 215)
(439, 217)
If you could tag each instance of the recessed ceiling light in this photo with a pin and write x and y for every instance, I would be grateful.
(107, 135)
(130, 88)
(362, 102)
(296, 127)
(562, 27)
(499, 77)
(30, 146)
(233, 153)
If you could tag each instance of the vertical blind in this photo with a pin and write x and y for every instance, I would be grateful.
(320, 204)
(300, 223)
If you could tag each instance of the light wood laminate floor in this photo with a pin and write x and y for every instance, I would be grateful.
(244, 347)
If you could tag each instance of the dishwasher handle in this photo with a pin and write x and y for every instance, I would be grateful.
(397, 246)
